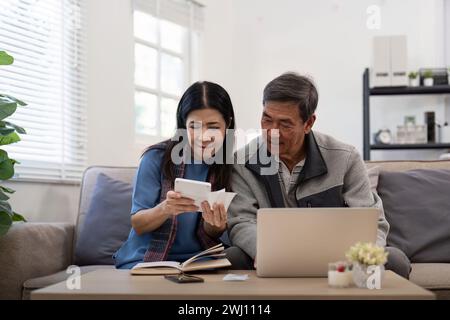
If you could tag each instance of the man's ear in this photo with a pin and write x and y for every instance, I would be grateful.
(309, 124)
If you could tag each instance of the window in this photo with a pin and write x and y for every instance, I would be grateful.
(45, 38)
(166, 34)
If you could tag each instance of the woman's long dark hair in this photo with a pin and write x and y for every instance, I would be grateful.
(202, 95)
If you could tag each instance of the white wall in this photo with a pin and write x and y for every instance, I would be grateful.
(328, 40)
(216, 53)
(110, 112)
(45, 202)
(245, 45)
(110, 84)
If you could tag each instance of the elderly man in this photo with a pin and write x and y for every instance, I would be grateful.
(314, 170)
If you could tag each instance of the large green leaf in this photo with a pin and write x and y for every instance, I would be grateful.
(3, 196)
(7, 109)
(5, 59)
(11, 126)
(18, 217)
(6, 207)
(6, 98)
(7, 190)
(5, 223)
(3, 155)
(5, 131)
(6, 169)
(10, 138)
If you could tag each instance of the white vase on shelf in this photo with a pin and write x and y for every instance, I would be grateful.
(428, 82)
(414, 82)
(445, 133)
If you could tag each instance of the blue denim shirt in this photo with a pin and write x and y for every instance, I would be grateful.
(146, 194)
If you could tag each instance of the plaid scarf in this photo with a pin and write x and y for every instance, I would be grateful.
(163, 237)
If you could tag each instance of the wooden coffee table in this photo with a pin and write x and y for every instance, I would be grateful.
(119, 284)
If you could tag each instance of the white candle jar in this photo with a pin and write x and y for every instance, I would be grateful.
(340, 274)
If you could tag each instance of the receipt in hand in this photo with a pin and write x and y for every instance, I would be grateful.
(221, 197)
(201, 191)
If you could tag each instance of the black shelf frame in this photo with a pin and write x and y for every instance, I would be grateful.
(391, 91)
(410, 146)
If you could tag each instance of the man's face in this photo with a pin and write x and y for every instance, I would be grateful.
(285, 116)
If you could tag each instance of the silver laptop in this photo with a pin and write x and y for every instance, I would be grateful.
(300, 242)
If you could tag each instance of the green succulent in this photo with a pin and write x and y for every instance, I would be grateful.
(413, 74)
(428, 74)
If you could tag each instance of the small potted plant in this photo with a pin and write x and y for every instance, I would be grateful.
(428, 80)
(413, 79)
(366, 258)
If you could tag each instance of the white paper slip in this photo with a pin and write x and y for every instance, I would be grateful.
(235, 277)
(201, 191)
(221, 197)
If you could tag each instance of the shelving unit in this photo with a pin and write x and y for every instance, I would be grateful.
(391, 91)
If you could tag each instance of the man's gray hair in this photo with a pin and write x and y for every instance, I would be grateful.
(292, 87)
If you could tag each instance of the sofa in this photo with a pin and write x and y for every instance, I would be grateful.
(35, 255)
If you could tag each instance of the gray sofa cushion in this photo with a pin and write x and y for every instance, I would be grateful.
(107, 222)
(417, 206)
(31, 250)
(431, 275)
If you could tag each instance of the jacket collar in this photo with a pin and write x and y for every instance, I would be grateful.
(314, 166)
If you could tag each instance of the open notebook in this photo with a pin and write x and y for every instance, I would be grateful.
(212, 258)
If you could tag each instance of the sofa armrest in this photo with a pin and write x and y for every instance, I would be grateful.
(31, 250)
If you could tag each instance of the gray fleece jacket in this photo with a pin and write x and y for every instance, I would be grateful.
(334, 175)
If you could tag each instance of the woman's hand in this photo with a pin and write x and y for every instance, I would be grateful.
(148, 220)
(215, 219)
(176, 204)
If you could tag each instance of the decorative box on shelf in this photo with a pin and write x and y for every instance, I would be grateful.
(411, 134)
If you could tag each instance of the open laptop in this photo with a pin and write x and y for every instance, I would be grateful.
(300, 242)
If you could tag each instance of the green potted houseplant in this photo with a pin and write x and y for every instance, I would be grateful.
(428, 80)
(366, 256)
(9, 133)
(413, 79)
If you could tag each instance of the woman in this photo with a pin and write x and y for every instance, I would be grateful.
(165, 225)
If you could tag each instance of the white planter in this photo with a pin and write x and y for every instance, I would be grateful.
(362, 273)
(428, 82)
(414, 82)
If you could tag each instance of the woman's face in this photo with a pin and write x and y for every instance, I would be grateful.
(206, 132)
